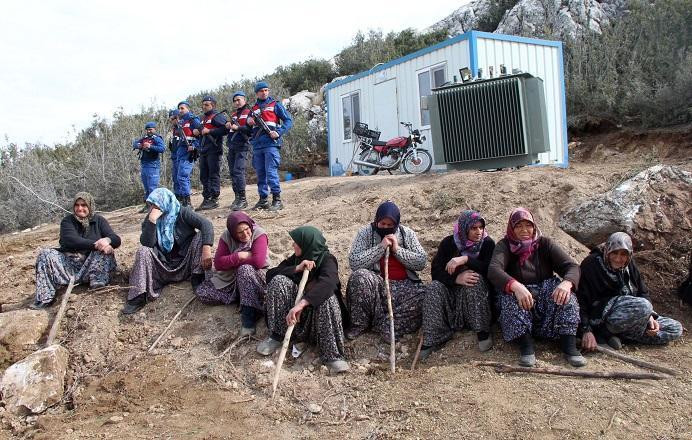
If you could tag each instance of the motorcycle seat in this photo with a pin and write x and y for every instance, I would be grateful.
(377, 143)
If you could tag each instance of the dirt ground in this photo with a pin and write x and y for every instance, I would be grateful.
(184, 390)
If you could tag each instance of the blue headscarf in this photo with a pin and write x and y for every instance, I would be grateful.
(165, 200)
(466, 220)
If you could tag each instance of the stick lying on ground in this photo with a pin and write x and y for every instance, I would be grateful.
(392, 338)
(289, 331)
(635, 361)
(504, 368)
(59, 315)
(177, 315)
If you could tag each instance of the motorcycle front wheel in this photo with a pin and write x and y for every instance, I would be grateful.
(368, 156)
(419, 165)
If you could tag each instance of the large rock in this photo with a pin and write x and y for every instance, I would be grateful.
(301, 101)
(36, 382)
(654, 207)
(560, 18)
(20, 330)
(463, 19)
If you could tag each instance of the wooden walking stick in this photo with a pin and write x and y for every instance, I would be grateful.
(635, 361)
(59, 315)
(392, 338)
(503, 368)
(289, 331)
(170, 324)
(417, 355)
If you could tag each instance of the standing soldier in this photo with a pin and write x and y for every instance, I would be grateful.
(210, 152)
(186, 150)
(150, 146)
(266, 144)
(238, 147)
(172, 147)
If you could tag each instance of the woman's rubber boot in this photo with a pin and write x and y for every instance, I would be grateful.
(527, 354)
(569, 348)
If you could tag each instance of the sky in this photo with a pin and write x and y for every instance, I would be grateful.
(65, 60)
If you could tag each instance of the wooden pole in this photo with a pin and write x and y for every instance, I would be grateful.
(503, 368)
(392, 338)
(59, 315)
(170, 324)
(417, 355)
(635, 361)
(289, 331)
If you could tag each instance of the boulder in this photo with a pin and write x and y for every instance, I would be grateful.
(301, 101)
(654, 207)
(36, 382)
(20, 330)
(463, 19)
(563, 18)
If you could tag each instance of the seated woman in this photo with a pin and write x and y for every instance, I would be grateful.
(458, 296)
(318, 315)
(532, 299)
(614, 300)
(240, 262)
(172, 250)
(85, 253)
(365, 293)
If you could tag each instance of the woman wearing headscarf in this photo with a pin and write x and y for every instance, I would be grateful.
(365, 293)
(172, 249)
(458, 296)
(615, 302)
(86, 252)
(318, 316)
(240, 263)
(533, 301)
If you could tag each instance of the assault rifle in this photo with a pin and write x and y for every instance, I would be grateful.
(257, 116)
(191, 155)
(204, 136)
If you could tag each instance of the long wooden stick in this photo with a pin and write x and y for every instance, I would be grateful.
(289, 331)
(504, 368)
(417, 355)
(392, 338)
(635, 361)
(170, 324)
(59, 315)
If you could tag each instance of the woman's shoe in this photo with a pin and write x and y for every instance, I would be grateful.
(135, 304)
(527, 360)
(338, 366)
(268, 346)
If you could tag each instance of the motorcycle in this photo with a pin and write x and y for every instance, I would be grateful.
(376, 155)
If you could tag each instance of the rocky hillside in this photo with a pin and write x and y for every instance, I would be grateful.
(564, 18)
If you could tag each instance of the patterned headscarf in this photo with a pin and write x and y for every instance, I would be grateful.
(466, 220)
(232, 222)
(165, 225)
(523, 248)
(616, 242)
(312, 244)
(89, 200)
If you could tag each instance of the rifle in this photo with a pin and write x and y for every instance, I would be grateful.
(257, 116)
(204, 136)
(191, 155)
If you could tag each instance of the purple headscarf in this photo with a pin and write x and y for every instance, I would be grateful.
(466, 220)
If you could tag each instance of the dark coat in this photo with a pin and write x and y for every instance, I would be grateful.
(74, 238)
(548, 259)
(597, 288)
(448, 250)
(185, 229)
